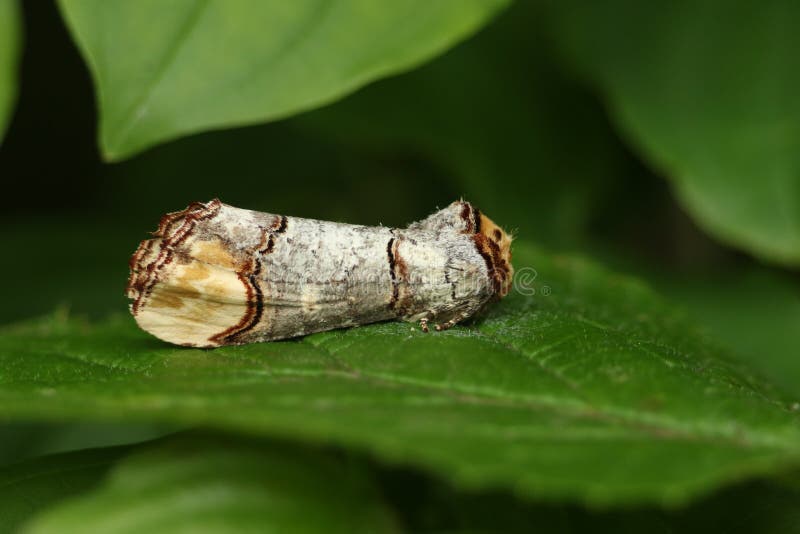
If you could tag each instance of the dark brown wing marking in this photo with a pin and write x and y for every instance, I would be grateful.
(173, 229)
(392, 274)
(255, 295)
(471, 217)
(254, 309)
(498, 268)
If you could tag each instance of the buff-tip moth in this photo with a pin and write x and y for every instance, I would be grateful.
(218, 275)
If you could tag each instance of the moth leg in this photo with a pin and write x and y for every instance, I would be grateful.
(462, 315)
(425, 319)
(446, 325)
(423, 324)
(452, 322)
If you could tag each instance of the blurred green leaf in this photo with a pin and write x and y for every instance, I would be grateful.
(167, 70)
(107, 484)
(591, 389)
(707, 91)
(126, 483)
(498, 116)
(196, 483)
(10, 40)
(34, 485)
(21, 441)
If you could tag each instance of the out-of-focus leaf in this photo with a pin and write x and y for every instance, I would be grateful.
(420, 503)
(163, 70)
(707, 91)
(197, 483)
(592, 389)
(509, 130)
(34, 485)
(21, 441)
(10, 39)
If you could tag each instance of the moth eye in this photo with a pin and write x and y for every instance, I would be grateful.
(497, 235)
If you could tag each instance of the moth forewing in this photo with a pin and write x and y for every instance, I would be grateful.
(217, 275)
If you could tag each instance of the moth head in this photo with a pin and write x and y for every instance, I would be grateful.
(494, 244)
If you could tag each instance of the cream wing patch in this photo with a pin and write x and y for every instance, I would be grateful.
(194, 303)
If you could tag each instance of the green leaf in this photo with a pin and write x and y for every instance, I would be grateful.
(748, 310)
(34, 485)
(707, 91)
(753, 313)
(591, 389)
(10, 39)
(121, 484)
(167, 70)
(196, 483)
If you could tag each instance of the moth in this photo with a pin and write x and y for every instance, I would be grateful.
(213, 274)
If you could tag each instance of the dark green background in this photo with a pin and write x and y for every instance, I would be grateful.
(502, 119)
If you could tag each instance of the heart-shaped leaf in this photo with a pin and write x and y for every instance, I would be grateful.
(163, 70)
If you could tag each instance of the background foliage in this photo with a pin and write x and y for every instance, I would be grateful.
(660, 142)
